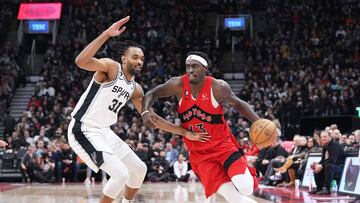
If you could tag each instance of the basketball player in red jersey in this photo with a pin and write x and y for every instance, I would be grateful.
(220, 165)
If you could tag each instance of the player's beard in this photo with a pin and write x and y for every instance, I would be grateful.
(133, 70)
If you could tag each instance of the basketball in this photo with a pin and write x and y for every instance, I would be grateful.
(263, 132)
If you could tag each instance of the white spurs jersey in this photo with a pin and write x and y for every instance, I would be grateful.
(100, 103)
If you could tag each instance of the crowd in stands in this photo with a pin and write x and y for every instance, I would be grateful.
(11, 73)
(282, 163)
(298, 69)
(307, 63)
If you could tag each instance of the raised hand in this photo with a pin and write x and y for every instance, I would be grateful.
(117, 28)
(201, 137)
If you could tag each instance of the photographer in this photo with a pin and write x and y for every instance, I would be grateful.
(69, 166)
(45, 169)
(159, 169)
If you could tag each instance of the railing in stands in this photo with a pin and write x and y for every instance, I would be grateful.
(31, 58)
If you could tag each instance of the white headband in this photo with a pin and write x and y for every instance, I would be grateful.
(197, 58)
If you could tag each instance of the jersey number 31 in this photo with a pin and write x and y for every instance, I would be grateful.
(115, 105)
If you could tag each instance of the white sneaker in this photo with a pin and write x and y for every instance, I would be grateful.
(276, 177)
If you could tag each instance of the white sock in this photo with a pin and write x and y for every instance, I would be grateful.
(124, 200)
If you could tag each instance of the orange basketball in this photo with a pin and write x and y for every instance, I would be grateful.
(263, 133)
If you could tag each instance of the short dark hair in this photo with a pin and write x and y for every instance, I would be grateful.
(202, 54)
(325, 131)
(120, 47)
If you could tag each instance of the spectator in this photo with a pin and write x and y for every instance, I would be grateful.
(42, 136)
(295, 159)
(171, 154)
(336, 134)
(28, 139)
(344, 141)
(87, 180)
(312, 145)
(28, 164)
(142, 150)
(274, 152)
(9, 124)
(331, 163)
(15, 142)
(251, 151)
(40, 148)
(181, 169)
(69, 167)
(44, 171)
(35, 102)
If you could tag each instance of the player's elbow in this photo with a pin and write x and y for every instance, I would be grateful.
(149, 95)
(80, 62)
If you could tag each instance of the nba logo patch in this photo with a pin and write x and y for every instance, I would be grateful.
(186, 93)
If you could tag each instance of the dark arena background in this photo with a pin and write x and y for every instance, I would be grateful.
(295, 62)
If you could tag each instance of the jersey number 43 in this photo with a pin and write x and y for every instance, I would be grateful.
(197, 128)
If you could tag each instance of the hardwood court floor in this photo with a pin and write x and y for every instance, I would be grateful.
(79, 193)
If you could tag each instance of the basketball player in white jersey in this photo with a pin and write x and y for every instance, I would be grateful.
(89, 131)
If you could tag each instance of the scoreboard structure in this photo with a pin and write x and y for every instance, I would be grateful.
(39, 18)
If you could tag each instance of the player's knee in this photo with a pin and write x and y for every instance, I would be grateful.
(120, 176)
(244, 183)
(245, 186)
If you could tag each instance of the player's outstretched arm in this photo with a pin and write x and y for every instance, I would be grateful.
(163, 124)
(222, 92)
(86, 59)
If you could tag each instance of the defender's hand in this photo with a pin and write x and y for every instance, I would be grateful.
(117, 28)
(149, 119)
(201, 137)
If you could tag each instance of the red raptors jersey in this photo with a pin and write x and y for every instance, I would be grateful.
(199, 115)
